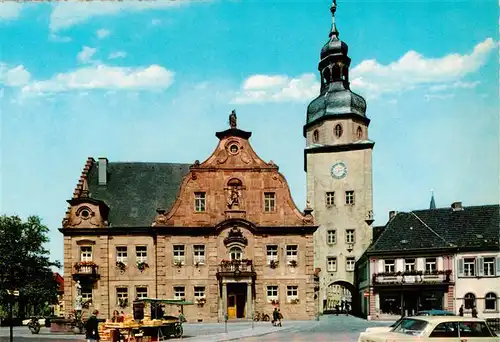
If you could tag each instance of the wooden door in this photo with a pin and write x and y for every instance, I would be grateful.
(231, 306)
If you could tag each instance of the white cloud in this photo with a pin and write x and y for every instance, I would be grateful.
(9, 10)
(103, 77)
(117, 54)
(411, 71)
(429, 97)
(58, 39)
(278, 88)
(13, 77)
(102, 33)
(85, 56)
(455, 85)
(155, 22)
(414, 70)
(69, 13)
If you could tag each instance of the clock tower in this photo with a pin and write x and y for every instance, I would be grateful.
(338, 163)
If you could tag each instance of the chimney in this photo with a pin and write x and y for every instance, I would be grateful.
(103, 171)
(457, 206)
(392, 213)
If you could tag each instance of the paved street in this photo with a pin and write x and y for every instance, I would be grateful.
(329, 328)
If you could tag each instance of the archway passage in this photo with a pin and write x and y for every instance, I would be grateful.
(340, 298)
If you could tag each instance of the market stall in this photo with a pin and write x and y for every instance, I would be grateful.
(145, 328)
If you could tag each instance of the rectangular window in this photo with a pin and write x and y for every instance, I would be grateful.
(292, 292)
(331, 263)
(272, 253)
(331, 237)
(199, 292)
(122, 295)
(269, 201)
(292, 253)
(121, 254)
(87, 294)
(349, 236)
(430, 265)
(469, 267)
(409, 265)
(141, 292)
(200, 201)
(86, 253)
(330, 199)
(199, 254)
(179, 254)
(389, 266)
(179, 292)
(489, 266)
(272, 292)
(141, 253)
(350, 264)
(349, 197)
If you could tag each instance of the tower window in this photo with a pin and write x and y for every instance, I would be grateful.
(315, 136)
(359, 132)
(338, 130)
(349, 197)
(330, 198)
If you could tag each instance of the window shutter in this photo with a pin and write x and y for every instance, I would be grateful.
(460, 267)
(480, 266)
(497, 268)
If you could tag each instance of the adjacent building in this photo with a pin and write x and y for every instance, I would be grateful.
(338, 163)
(432, 259)
(223, 233)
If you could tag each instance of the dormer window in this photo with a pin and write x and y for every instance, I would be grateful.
(359, 132)
(315, 136)
(338, 130)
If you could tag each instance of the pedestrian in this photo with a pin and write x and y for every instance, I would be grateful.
(116, 317)
(461, 311)
(275, 316)
(337, 309)
(280, 317)
(92, 327)
(122, 317)
(346, 309)
(474, 312)
(182, 319)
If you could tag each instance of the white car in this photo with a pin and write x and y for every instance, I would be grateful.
(434, 329)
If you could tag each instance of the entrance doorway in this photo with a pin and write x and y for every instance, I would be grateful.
(236, 300)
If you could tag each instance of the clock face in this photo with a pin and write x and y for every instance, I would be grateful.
(339, 170)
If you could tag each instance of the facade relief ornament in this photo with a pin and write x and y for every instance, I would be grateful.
(308, 217)
(161, 218)
(233, 190)
(235, 236)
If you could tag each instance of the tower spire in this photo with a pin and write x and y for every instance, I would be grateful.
(433, 202)
(334, 31)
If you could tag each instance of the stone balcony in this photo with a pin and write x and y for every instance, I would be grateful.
(412, 277)
(236, 268)
(86, 271)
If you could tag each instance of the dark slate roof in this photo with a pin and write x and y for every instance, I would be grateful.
(475, 227)
(135, 190)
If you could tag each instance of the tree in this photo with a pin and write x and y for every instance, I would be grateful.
(25, 265)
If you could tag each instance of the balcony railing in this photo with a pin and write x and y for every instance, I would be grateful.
(412, 277)
(86, 270)
(242, 267)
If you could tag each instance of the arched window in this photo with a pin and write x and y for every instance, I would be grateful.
(235, 253)
(338, 130)
(359, 132)
(490, 301)
(469, 301)
(315, 136)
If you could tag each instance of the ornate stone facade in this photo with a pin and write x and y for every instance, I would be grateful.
(224, 234)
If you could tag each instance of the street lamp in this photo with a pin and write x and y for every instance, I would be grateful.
(12, 294)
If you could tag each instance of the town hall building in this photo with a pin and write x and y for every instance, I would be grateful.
(224, 234)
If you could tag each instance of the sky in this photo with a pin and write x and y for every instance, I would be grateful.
(154, 80)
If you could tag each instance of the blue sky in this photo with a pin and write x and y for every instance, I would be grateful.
(153, 81)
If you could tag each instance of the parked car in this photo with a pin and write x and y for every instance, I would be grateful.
(420, 313)
(434, 329)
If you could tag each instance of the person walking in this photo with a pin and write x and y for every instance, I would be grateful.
(280, 317)
(474, 312)
(461, 311)
(92, 328)
(275, 316)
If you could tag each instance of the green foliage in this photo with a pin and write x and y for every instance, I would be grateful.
(24, 262)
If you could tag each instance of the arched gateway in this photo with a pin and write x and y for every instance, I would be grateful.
(340, 294)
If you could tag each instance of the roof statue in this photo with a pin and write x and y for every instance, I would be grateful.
(232, 119)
